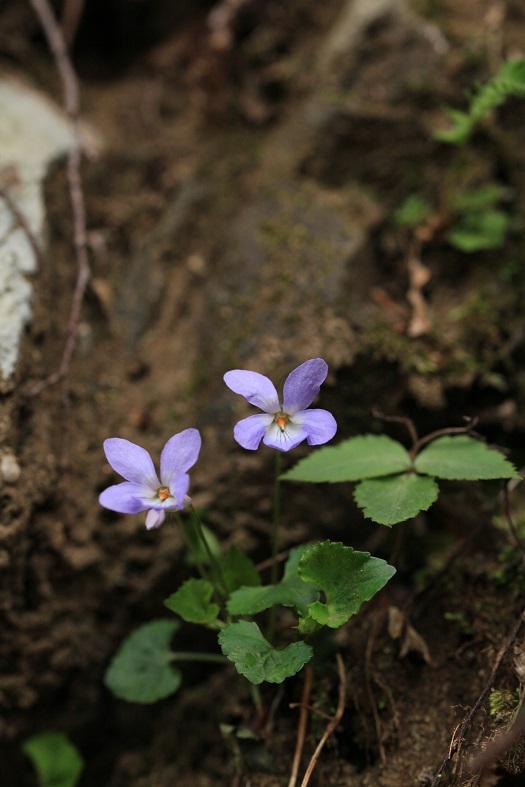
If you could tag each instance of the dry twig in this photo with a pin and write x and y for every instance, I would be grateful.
(303, 720)
(332, 724)
(68, 76)
(460, 732)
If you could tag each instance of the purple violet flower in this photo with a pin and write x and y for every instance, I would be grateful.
(142, 490)
(283, 426)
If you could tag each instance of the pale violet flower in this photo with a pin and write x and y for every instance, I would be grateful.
(283, 425)
(142, 490)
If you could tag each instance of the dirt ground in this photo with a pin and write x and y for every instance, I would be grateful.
(240, 215)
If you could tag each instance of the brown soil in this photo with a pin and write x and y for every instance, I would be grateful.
(240, 215)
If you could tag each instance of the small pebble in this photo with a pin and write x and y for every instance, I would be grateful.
(9, 468)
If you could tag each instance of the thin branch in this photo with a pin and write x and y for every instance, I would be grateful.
(22, 223)
(501, 744)
(399, 419)
(368, 682)
(460, 732)
(472, 423)
(68, 76)
(334, 721)
(303, 720)
(508, 516)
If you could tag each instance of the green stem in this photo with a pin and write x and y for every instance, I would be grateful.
(186, 528)
(276, 522)
(211, 658)
(256, 697)
(275, 540)
(214, 563)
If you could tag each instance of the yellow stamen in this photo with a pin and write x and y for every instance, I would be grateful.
(164, 493)
(281, 420)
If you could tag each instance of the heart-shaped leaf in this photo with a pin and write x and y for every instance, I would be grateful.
(141, 670)
(291, 591)
(55, 759)
(254, 657)
(193, 603)
(348, 578)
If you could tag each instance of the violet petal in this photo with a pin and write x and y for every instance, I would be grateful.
(256, 389)
(154, 518)
(179, 489)
(131, 461)
(303, 384)
(125, 498)
(284, 440)
(250, 431)
(178, 455)
(319, 425)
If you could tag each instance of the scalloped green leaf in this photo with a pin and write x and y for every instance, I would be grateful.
(57, 762)
(141, 671)
(291, 591)
(462, 458)
(238, 570)
(364, 456)
(254, 657)
(396, 498)
(348, 579)
(193, 602)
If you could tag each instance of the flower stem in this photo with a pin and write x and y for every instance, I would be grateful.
(275, 538)
(276, 522)
(214, 563)
(187, 531)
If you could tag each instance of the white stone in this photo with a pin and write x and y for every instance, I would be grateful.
(33, 132)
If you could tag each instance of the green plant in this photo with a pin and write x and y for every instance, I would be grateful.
(395, 484)
(55, 759)
(509, 81)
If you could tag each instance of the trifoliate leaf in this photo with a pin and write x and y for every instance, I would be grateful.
(290, 592)
(238, 570)
(348, 578)
(141, 671)
(55, 759)
(193, 603)
(365, 456)
(254, 657)
(462, 458)
(396, 498)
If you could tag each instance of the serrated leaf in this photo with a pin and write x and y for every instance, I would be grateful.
(364, 456)
(238, 570)
(396, 498)
(254, 657)
(55, 759)
(290, 592)
(141, 670)
(348, 579)
(462, 458)
(193, 602)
